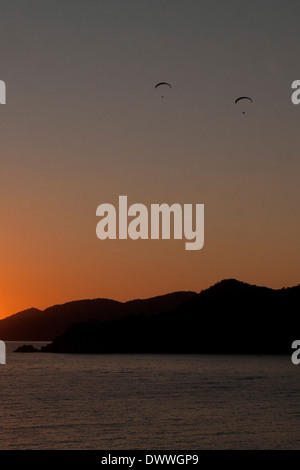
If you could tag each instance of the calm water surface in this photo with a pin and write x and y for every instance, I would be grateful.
(53, 401)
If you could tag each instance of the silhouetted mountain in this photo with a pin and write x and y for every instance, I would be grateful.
(229, 317)
(37, 325)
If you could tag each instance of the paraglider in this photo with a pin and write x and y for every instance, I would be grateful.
(163, 84)
(243, 98)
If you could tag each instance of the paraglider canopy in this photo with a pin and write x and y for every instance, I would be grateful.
(163, 84)
(243, 98)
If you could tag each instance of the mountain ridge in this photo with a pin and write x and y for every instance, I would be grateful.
(43, 325)
(230, 317)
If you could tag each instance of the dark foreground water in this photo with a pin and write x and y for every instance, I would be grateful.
(53, 401)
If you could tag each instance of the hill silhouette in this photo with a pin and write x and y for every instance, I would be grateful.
(43, 325)
(230, 317)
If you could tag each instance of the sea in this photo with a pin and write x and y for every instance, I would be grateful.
(141, 402)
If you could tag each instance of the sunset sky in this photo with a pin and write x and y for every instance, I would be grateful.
(84, 124)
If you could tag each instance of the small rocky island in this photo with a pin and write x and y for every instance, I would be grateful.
(27, 348)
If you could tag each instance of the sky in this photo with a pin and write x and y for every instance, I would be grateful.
(83, 124)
